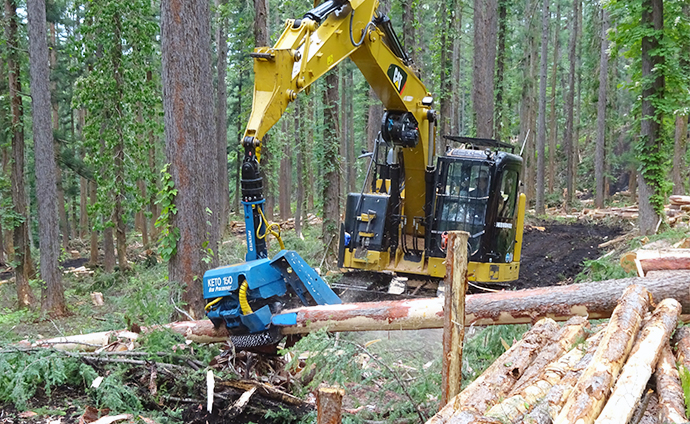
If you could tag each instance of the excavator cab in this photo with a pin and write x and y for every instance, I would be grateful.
(477, 192)
(473, 189)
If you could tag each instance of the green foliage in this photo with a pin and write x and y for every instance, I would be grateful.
(685, 383)
(344, 361)
(169, 235)
(22, 373)
(603, 269)
(113, 394)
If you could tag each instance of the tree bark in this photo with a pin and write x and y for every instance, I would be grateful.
(222, 120)
(553, 128)
(53, 297)
(108, 247)
(650, 128)
(671, 400)
(569, 103)
(600, 152)
(331, 187)
(591, 391)
(640, 364)
(594, 300)
(500, 64)
(190, 145)
(119, 150)
(141, 216)
(20, 235)
(329, 402)
(485, 28)
(93, 249)
(285, 177)
(299, 144)
(678, 170)
(541, 124)
(454, 321)
(409, 40)
(444, 22)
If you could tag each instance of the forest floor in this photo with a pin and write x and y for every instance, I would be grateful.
(553, 253)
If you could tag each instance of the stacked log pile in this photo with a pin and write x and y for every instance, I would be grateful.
(561, 376)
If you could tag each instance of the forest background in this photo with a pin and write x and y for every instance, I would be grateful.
(123, 119)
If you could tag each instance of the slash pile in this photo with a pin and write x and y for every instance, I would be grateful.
(619, 373)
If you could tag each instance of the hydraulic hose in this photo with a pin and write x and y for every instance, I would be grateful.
(244, 304)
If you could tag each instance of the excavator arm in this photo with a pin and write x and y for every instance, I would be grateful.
(307, 49)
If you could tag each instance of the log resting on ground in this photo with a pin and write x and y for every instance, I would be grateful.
(594, 300)
(592, 389)
(640, 364)
(670, 259)
(682, 341)
(499, 378)
(669, 389)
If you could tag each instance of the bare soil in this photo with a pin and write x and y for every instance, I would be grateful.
(554, 253)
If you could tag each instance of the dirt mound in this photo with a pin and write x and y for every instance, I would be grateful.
(554, 253)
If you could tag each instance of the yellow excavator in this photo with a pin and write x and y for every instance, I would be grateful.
(400, 222)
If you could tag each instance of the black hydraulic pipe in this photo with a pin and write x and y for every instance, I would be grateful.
(392, 40)
(324, 9)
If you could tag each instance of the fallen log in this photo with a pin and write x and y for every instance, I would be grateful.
(591, 391)
(640, 364)
(662, 260)
(572, 331)
(499, 378)
(594, 300)
(329, 401)
(550, 406)
(668, 387)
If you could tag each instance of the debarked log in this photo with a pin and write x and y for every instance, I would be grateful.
(641, 364)
(593, 300)
(589, 395)
(668, 386)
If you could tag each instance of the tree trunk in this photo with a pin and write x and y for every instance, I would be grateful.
(650, 129)
(600, 152)
(108, 248)
(311, 188)
(53, 297)
(569, 103)
(119, 151)
(553, 128)
(83, 208)
(62, 212)
(190, 145)
(144, 226)
(678, 170)
(668, 386)
(285, 184)
(456, 36)
(153, 207)
(485, 12)
(350, 118)
(500, 64)
(93, 250)
(222, 119)
(640, 364)
(444, 22)
(591, 391)
(409, 40)
(331, 188)
(238, 149)
(594, 300)
(374, 116)
(329, 402)
(541, 124)
(20, 235)
(299, 159)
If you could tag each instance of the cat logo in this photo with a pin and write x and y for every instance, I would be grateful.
(398, 77)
